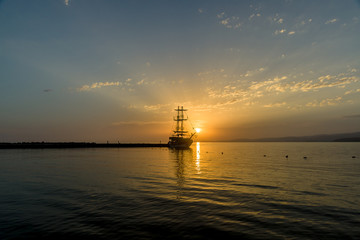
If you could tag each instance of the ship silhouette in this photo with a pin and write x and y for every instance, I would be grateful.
(180, 138)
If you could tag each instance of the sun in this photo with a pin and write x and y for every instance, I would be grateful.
(198, 130)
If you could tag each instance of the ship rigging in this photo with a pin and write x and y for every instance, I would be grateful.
(181, 138)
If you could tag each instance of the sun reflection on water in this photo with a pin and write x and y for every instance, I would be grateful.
(198, 169)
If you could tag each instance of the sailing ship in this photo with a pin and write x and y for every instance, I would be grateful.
(181, 138)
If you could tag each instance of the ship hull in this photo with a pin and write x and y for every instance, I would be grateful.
(180, 143)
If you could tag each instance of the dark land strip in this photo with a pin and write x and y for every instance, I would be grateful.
(42, 145)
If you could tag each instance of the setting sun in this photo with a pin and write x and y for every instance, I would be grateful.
(198, 130)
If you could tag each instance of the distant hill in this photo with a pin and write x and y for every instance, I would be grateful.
(340, 137)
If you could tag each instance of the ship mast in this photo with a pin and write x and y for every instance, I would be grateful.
(179, 132)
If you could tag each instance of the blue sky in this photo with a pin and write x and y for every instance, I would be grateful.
(114, 70)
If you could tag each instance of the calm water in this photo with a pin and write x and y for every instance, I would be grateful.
(154, 193)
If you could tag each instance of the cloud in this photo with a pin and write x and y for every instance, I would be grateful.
(326, 81)
(229, 22)
(234, 89)
(325, 102)
(281, 31)
(270, 82)
(254, 15)
(251, 73)
(221, 15)
(291, 33)
(276, 19)
(304, 22)
(221, 105)
(226, 92)
(163, 108)
(225, 21)
(352, 91)
(353, 70)
(139, 123)
(155, 107)
(272, 105)
(141, 82)
(331, 21)
(98, 85)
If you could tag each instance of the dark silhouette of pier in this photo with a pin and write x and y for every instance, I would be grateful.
(43, 145)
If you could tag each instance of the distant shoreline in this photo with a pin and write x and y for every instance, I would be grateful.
(63, 145)
(296, 140)
(45, 145)
(338, 137)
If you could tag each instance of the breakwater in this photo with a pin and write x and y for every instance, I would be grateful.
(42, 145)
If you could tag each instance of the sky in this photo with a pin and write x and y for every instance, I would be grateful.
(91, 70)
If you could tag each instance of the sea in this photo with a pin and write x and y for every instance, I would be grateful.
(211, 191)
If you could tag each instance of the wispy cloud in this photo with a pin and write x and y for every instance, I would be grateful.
(325, 102)
(276, 19)
(327, 81)
(232, 22)
(352, 91)
(272, 105)
(128, 84)
(155, 107)
(99, 85)
(303, 23)
(331, 21)
(220, 105)
(281, 31)
(221, 15)
(139, 123)
(251, 73)
(141, 82)
(353, 70)
(308, 21)
(238, 89)
(269, 82)
(254, 15)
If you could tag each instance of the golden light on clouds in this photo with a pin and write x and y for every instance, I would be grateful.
(265, 72)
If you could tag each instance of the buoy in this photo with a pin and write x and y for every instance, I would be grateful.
(286, 156)
(305, 157)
